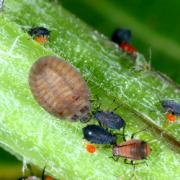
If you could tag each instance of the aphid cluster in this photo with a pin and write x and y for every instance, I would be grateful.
(122, 37)
(61, 91)
(133, 149)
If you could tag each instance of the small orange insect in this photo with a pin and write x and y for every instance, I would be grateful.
(90, 148)
(59, 88)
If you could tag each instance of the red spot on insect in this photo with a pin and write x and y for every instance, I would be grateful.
(41, 39)
(170, 117)
(127, 48)
(90, 148)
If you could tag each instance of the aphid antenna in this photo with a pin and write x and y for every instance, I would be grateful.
(123, 134)
(150, 56)
(98, 108)
(133, 163)
(114, 101)
(132, 136)
(116, 108)
(146, 163)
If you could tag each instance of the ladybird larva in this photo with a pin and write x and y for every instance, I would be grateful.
(59, 88)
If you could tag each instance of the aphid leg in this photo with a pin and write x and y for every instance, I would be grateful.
(134, 166)
(146, 163)
(133, 163)
(115, 158)
(100, 124)
(123, 134)
(126, 162)
(114, 101)
(119, 134)
(98, 107)
(132, 136)
(116, 108)
(169, 110)
(139, 163)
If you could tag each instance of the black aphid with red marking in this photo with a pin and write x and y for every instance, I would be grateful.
(171, 106)
(133, 149)
(97, 135)
(109, 120)
(40, 34)
(121, 35)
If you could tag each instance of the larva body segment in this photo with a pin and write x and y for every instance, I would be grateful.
(59, 88)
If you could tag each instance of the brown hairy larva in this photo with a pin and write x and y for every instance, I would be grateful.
(59, 88)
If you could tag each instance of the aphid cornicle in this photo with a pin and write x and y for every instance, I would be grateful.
(59, 88)
(171, 106)
(97, 135)
(109, 120)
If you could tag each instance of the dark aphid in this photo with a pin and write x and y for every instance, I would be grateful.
(39, 31)
(109, 120)
(171, 106)
(121, 35)
(59, 88)
(97, 135)
(133, 149)
(40, 34)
